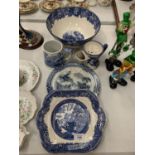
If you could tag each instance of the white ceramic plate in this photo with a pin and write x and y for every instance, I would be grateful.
(22, 133)
(27, 107)
(29, 75)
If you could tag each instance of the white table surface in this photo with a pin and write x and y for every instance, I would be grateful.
(105, 14)
(119, 104)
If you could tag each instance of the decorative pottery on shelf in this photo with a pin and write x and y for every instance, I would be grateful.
(22, 134)
(73, 76)
(27, 107)
(73, 26)
(104, 2)
(70, 121)
(79, 3)
(27, 6)
(48, 5)
(92, 3)
(28, 75)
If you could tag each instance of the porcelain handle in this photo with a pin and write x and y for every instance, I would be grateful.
(105, 46)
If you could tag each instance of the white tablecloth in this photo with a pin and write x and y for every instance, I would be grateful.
(118, 104)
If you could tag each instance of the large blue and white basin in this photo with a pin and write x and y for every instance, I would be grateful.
(73, 26)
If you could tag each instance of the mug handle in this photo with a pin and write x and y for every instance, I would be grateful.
(105, 46)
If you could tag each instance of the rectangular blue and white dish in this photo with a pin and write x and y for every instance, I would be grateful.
(70, 121)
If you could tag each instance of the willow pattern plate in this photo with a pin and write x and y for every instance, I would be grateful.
(70, 121)
(27, 107)
(28, 75)
(73, 76)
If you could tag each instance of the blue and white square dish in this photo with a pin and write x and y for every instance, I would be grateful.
(73, 76)
(70, 121)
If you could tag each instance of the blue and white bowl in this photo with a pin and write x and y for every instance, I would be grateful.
(73, 26)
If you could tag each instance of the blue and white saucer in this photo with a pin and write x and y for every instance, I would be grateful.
(70, 121)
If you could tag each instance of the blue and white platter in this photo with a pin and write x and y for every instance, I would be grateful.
(70, 121)
(73, 76)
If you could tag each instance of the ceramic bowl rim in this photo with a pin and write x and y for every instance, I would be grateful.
(89, 53)
(77, 42)
(50, 53)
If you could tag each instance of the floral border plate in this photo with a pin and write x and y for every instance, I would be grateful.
(70, 121)
(30, 73)
(31, 8)
(27, 107)
(73, 76)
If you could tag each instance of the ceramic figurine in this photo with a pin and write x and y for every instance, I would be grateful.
(127, 68)
(94, 50)
(132, 12)
(29, 39)
(122, 37)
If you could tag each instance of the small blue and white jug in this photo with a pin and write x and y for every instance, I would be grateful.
(94, 50)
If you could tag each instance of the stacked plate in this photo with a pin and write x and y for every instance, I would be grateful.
(71, 119)
(28, 78)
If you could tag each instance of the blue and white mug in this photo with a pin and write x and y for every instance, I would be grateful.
(53, 53)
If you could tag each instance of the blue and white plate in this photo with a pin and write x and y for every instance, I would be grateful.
(70, 121)
(73, 76)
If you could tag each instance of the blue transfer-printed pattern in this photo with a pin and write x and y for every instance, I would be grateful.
(54, 61)
(77, 147)
(77, 12)
(65, 81)
(73, 36)
(70, 117)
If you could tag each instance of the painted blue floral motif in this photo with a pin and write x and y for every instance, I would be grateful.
(73, 36)
(67, 81)
(77, 12)
(54, 61)
(70, 147)
(86, 78)
(70, 117)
